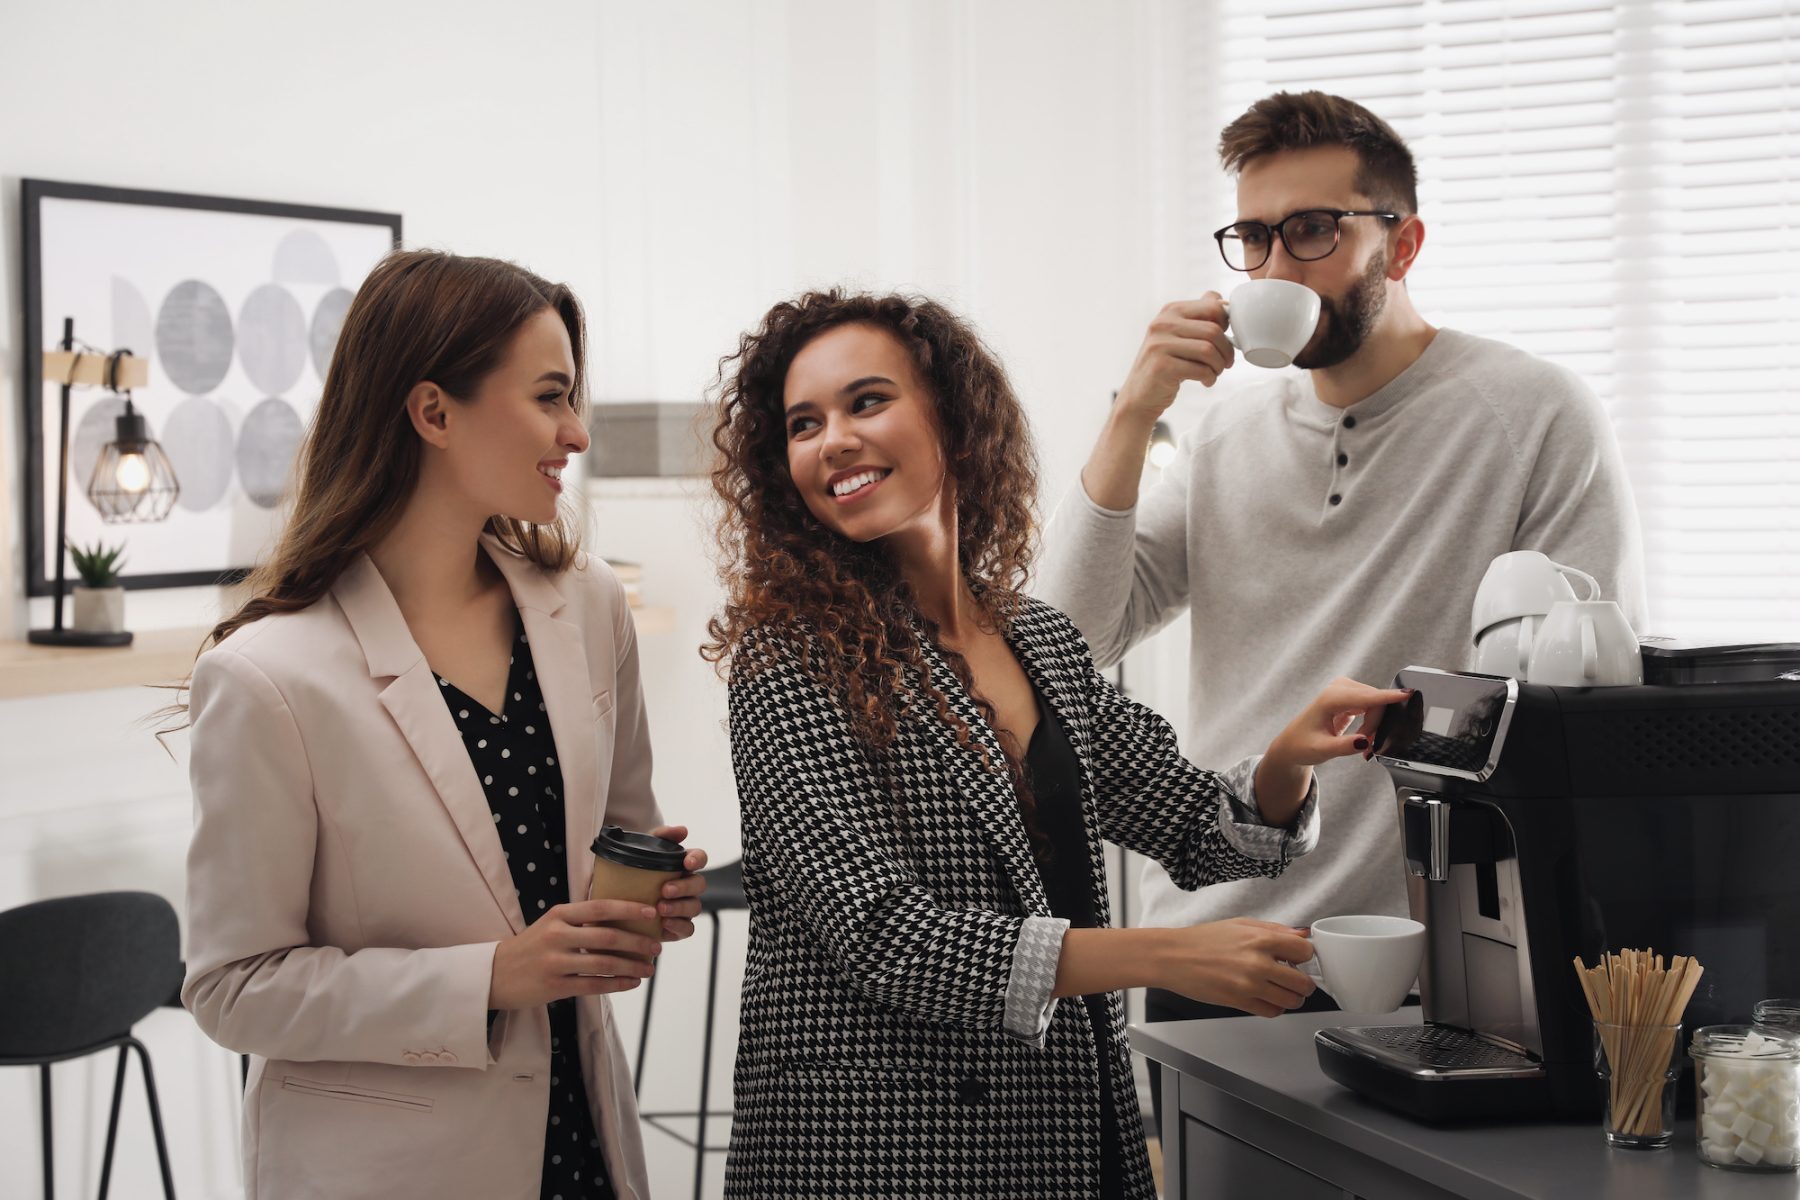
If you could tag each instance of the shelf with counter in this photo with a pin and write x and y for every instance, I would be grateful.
(155, 656)
(1247, 1112)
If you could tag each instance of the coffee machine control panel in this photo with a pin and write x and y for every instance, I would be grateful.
(1453, 724)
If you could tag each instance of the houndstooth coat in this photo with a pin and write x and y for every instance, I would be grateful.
(881, 1051)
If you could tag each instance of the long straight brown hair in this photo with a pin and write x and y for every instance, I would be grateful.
(421, 315)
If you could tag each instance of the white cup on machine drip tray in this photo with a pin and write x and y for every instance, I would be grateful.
(1367, 964)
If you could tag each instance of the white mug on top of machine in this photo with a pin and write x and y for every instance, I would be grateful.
(1586, 643)
(1517, 592)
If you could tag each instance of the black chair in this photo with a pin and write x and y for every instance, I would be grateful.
(81, 971)
(724, 892)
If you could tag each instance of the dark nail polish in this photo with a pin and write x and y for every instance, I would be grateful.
(1362, 743)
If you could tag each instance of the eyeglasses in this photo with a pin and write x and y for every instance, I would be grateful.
(1309, 234)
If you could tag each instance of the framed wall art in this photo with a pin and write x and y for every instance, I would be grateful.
(237, 305)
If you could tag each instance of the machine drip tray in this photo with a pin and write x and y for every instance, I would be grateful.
(1434, 1073)
(1431, 1051)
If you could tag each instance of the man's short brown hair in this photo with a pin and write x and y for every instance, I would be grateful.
(1302, 120)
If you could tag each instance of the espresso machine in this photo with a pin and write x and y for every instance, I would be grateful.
(1545, 823)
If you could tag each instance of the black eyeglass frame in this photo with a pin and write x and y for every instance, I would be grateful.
(1279, 229)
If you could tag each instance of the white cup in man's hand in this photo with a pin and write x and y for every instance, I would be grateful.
(1271, 320)
(1367, 964)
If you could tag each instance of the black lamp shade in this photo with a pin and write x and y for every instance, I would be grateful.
(133, 479)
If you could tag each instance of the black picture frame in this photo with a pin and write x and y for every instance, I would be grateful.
(40, 447)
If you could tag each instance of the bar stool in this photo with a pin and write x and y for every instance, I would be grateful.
(724, 892)
(81, 971)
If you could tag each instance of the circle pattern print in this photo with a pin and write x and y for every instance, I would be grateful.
(303, 257)
(327, 323)
(193, 337)
(200, 445)
(265, 450)
(132, 327)
(271, 339)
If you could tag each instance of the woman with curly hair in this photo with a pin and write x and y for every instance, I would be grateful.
(927, 763)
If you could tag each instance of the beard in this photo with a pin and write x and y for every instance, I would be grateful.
(1345, 323)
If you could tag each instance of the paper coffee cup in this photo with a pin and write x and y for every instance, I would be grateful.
(634, 866)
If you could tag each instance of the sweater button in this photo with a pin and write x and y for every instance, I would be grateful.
(1349, 422)
(1336, 500)
(972, 1090)
(1343, 460)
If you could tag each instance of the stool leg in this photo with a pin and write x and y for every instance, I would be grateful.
(156, 1125)
(49, 1141)
(112, 1122)
(637, 1076)
(712, 995)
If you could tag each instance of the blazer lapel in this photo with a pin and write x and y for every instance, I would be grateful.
(559, 652)
(1060, 677)
(1060, 674)
(413, 700)
(989, 792)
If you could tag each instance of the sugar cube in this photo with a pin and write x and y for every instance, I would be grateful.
(1714, 1128)
(1750, 1152)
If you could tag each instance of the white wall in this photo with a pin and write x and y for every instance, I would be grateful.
(683, 165)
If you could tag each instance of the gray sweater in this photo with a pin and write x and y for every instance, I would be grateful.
(1308, 542)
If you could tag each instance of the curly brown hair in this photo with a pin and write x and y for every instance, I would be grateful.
(845, 606)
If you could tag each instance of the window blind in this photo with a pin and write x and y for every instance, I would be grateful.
(1611, 186)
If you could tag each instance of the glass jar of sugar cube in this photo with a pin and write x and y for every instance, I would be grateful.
(1747, 1109)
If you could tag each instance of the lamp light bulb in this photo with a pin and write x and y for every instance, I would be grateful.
(132, 474)
(1162, 445)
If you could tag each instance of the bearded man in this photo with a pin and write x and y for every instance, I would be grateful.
(1335, 520)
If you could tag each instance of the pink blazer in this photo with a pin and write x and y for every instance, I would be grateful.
(346, 890)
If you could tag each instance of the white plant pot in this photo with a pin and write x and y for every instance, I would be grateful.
(100, 610)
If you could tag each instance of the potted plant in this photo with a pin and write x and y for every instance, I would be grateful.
(99, 600)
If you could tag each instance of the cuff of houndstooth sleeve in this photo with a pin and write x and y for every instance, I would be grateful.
(1029, 1003)
(1241, 820)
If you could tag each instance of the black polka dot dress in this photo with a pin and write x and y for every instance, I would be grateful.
(515, 757)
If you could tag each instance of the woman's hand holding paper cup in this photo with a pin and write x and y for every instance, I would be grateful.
(680, 902)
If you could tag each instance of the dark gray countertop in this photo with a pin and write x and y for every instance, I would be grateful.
(1271, 1064)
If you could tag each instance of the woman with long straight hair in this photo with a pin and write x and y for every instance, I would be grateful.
(927, 764)
(403, 745)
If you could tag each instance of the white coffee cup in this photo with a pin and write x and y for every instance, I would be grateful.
(1271, 320)
(1368, 964)
(1586, 643)
(1523, 583)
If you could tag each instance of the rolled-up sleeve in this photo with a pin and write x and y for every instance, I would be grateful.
(1030, 988)
(1242, 823)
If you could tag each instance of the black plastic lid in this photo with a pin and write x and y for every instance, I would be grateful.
(1678, 660)
(641, 850)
